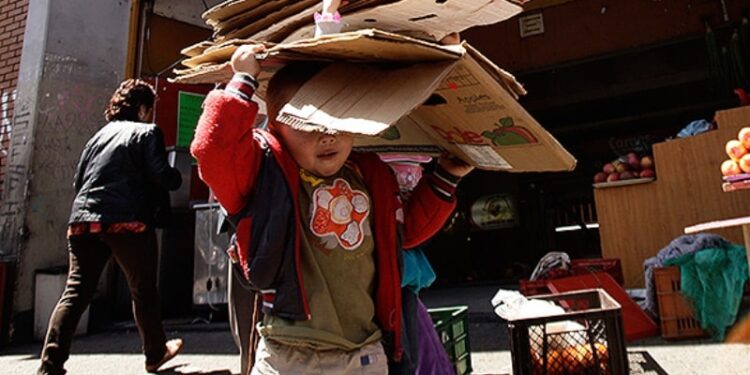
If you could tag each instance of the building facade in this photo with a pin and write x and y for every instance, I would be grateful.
(12, 28)
(600, 74)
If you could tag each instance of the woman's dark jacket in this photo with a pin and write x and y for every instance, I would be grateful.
(123, 176)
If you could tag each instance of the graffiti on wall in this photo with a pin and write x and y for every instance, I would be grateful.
(6, 120)
(67, 117)
(16, 179)
(65, 112)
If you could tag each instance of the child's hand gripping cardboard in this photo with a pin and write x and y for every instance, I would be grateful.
(454, 165)
(244, 60)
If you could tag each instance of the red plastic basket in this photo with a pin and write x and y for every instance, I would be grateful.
(533, 287)
(637, 323)
(612, 266)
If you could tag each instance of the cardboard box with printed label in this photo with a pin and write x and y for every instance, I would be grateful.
(436, 97)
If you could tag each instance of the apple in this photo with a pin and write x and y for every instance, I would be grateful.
(608, 168)
(744, 137)
(735, 150)
(745, 163)
(620, 166)
(632, 155)
(648, 173)
(613, 177)
(635, 164)
(600, 177)
(730, 168)
(627, 175)
(647, 162)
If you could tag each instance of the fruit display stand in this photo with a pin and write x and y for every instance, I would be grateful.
(636, 221)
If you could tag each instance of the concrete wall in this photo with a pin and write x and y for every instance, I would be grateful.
(74, 56)
(12, 25)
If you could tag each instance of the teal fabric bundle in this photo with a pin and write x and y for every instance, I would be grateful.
(714, 279)
(418, 274)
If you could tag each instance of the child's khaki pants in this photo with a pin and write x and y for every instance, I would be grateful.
(272, 358)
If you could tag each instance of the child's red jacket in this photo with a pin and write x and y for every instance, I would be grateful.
(231, 153)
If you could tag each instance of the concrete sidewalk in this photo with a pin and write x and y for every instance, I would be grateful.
(209, 348)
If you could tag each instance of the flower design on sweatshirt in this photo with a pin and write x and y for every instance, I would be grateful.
(340, 211)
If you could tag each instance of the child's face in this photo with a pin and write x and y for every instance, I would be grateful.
(320, 154)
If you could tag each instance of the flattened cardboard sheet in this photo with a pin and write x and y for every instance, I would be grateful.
(474, 117)
(205, 74)
(410, 136)
(376, 46)
(270, 19)
(359, 98)
(472, 112)
(249, 12)
(502, 76)
(369, 46)
(434, 19)
(282, 29)
(215, 54)
(251, 16)
(464, 103)
(196, 49)
(229, 9)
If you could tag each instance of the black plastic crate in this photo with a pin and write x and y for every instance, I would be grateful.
(596, 349)
(452, 326)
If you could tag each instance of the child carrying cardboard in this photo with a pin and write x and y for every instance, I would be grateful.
(319, 228)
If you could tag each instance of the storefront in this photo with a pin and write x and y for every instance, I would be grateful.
(617, 79)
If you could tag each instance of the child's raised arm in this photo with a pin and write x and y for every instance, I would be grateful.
(228, 157)
(432, 201)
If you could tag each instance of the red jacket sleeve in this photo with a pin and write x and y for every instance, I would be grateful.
(228, 156)
(429, 207)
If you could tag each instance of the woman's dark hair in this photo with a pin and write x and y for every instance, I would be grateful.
(128, 99)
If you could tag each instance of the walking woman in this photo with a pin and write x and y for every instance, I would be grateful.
(120, 190)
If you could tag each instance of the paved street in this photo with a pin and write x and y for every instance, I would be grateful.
(210, 351)
(209, 348)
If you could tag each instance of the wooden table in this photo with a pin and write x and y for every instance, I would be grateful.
(744, 222)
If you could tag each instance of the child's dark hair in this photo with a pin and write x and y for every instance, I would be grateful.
(286, 82)
(127, 100)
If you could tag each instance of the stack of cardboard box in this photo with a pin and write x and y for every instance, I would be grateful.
(427, 98)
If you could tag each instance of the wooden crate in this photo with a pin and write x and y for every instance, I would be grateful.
(676, 314)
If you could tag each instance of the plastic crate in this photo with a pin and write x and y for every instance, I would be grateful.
(676, 313)
(598, 348)
(452, 326)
